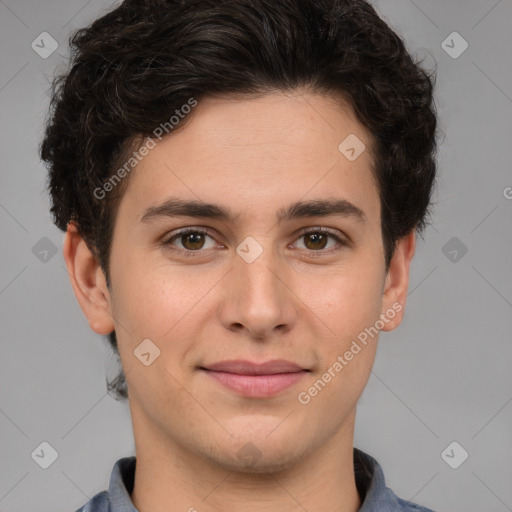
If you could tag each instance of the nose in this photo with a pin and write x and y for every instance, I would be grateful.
(257, 299)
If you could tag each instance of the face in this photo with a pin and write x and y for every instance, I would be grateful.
(254, 280)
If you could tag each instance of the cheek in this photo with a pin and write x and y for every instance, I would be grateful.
(348, 300)
(149, 306)
(164, 304)
(152, 304)
(350, 309)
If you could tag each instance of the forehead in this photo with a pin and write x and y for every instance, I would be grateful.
(254, 152)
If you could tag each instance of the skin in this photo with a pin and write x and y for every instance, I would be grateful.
(254, 155)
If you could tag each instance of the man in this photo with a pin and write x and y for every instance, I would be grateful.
(241, 184)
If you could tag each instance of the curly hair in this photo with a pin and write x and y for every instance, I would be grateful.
(133, 67)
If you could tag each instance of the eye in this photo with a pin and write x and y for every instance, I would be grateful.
(191, 239)
(317, 239)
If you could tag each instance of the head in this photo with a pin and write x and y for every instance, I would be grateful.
(245, 108)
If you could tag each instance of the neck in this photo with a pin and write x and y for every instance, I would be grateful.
(169, 477)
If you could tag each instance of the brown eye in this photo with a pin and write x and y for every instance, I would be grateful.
(191, 240)
(315, 241)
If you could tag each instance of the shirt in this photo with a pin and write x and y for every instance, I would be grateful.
(370, 483)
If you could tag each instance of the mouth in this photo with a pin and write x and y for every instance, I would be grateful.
(256, 380)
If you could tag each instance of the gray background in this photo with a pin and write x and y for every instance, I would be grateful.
(442, 376)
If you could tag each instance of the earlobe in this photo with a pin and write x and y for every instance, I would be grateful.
(397, 282)
(88, 282)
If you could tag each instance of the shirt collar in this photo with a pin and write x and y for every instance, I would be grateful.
(371, 485)
(121, 484)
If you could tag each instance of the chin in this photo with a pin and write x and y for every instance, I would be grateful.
(261, 462)
(259, 454)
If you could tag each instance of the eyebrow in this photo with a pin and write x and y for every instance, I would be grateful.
(174, 207)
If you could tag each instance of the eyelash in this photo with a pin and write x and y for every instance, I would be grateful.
(307, 231)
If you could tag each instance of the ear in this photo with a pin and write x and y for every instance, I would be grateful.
(397, 281)
(88, 282)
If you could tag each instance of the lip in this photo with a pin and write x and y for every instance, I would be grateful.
(244, 367)
(256, 380)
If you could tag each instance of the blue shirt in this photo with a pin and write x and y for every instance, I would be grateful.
(375, 496)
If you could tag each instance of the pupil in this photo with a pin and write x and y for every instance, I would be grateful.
(316, 237)
(196, 239)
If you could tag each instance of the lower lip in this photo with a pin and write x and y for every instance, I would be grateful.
(256, 386)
